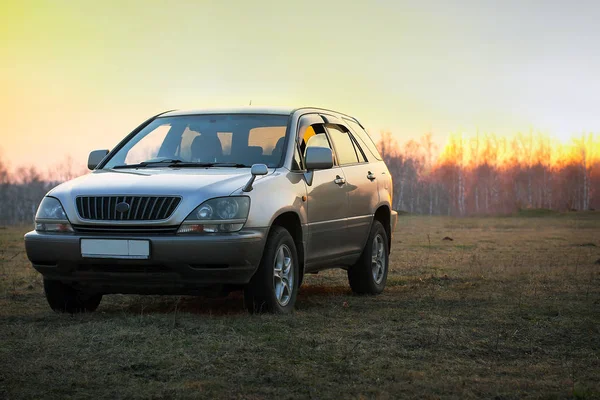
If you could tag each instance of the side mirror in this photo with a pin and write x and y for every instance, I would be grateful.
(256, 170)
(318, 158)
(96, 157)
(259, 169)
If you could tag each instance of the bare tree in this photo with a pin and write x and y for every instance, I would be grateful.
(487, 174)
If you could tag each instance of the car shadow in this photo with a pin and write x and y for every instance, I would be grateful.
(324, 290)
(309, 297)
(202, 305)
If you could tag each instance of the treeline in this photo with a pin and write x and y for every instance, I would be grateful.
(478, 175)
(22, 190)
(486, 174)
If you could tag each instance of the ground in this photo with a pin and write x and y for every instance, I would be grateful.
(509, 308)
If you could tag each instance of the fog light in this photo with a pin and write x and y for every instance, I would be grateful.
(231, 227)
(210, 228)
(196, 228)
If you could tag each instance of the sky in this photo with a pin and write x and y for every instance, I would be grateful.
(79, 76)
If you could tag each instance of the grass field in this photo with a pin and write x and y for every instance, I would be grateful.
(510, 308)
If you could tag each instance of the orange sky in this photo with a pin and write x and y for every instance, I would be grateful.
(76, 76)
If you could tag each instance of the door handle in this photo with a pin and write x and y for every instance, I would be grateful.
(339, 180)
(371, 176)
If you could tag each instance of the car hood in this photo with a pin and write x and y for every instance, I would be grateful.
(193, 185)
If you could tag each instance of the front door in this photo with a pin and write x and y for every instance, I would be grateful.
(327, 204)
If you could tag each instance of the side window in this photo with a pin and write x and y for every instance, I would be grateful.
(311, 132)
(317, 140)
(315, 136)
(363, 137)
(359, 152)
(344, 146)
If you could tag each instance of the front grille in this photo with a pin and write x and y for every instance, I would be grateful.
(141, 208)
(126, 229)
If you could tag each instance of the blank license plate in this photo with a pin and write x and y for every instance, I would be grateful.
(115, 248)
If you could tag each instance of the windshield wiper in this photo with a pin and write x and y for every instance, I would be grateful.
(168, 161)
(215, 164)
(208, 165)
(183, 164)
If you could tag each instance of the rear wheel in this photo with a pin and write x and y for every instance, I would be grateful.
(65, 298)
(274, 286)
(369, 274)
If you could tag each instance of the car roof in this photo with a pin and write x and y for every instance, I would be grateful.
(233, 110)
(252, 110)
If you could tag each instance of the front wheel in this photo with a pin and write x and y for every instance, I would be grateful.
(65, 298)
(274, 286)
(369, 274)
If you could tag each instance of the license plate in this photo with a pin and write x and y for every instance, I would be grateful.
(115, 248)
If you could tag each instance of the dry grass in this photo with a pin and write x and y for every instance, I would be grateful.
(509, 309)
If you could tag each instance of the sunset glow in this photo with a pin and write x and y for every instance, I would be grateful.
(521, 149)
(491, 174)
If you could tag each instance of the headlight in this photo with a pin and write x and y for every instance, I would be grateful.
(51, 217)
(223, 214)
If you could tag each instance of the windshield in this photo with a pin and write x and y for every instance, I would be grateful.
(205, 140)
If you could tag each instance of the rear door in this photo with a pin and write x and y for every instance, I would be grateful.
(361, 187)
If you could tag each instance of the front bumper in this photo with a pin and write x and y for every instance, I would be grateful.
(394, 221)
(177, 263)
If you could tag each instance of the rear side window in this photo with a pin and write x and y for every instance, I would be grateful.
(344, 146)
(363, 137)
(359, 151)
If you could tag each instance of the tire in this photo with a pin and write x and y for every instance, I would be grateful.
(272, 289)
(369, 274)
(65, 298)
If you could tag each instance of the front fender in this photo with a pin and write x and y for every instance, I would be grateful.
(281, 192)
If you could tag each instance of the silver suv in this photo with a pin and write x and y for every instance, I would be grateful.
(218, 200)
